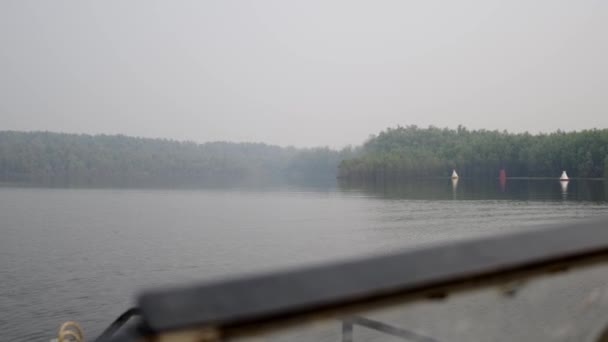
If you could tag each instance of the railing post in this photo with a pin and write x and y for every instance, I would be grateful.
(347, 331)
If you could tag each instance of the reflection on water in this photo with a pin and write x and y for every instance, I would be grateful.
(564, 185)
(494, 189)
(454, 187)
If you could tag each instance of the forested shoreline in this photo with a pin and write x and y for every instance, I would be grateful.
(117, 160)
(401, 153)
(396, 154)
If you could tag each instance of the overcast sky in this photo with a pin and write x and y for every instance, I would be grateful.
(301, 73)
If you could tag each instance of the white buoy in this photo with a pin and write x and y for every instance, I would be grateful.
(454, 174)
(564, 176)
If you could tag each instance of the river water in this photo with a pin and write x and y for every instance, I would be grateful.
(84, 254)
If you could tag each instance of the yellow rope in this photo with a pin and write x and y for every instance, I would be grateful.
(70, 332)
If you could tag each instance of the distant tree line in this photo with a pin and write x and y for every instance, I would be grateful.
(393, 155)
(72, 159)
(413, 152)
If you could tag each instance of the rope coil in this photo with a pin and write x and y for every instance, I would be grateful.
(70, 332)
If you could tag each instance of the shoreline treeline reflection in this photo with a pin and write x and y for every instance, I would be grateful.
(488, 189)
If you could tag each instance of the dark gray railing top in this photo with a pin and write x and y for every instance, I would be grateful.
(256, 299)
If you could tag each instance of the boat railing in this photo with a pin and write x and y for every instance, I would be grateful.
(349, 323)
(352, 292)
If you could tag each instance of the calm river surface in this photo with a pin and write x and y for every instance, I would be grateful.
(83, 254)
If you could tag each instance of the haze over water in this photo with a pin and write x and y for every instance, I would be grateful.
(84, 253)
(360, 75)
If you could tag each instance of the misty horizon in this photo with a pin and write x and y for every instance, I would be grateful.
(304, 150)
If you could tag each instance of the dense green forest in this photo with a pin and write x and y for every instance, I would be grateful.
(71, 159)
(412, 152)
(393, 155)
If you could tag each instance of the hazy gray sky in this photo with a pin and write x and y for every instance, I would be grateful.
(301, 73)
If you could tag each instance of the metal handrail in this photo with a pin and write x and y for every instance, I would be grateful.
(118, 324)
(242, 306)
(407, 335)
